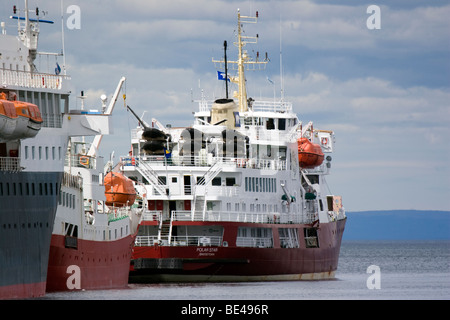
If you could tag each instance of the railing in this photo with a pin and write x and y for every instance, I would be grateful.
(82, 161)
(268, 106)
(29, 79)
(116, 216)
(72, 181)
(254, 242)
(238, 216)
(151, 216)
(200, 161)
(11, 164)
(145, 241)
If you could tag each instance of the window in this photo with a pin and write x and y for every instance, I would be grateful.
(281, 124)
(162, 180)
(254, 237)
(311, 238)
(216, 181)
(26, 152)
(230, 181)
(288, 238)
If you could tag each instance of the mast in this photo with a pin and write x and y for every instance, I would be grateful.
(28, 30)
(242, 96)
(244, 60)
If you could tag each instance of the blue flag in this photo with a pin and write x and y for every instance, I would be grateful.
(221, 75)
(57, 69)
(167, 153)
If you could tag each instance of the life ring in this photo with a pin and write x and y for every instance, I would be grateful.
(324, 141)
(84, 161)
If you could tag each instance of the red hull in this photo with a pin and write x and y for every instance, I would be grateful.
(233, 263)
(22, 291)
(102, 264)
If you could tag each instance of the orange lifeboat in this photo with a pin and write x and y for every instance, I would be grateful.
(8, 119)
(18, 119)
(31, 116)
(119, 190)
(310, 155)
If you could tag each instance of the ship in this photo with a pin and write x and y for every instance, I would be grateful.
(240, 195)
(92, 237)
(35, 125)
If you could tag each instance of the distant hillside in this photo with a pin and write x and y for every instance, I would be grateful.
(397, 225)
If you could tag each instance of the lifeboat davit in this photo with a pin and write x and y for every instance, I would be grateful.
(119, 190)
(310, 155)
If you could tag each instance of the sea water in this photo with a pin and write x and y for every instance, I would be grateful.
(367, 270)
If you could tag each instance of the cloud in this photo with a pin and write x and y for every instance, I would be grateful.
(384, 92)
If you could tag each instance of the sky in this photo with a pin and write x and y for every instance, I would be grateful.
(385, 91)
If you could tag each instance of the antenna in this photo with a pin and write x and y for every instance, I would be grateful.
(62, 38)
(281, 64)
(226, 68)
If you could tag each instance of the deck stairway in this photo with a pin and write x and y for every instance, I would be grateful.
(151, 176)
(199, 192)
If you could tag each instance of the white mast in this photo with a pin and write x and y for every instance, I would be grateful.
(281, 67)
(62, 38)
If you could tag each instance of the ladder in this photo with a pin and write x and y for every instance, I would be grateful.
(165, 230)
(148, 173)
(199, 200)
(212, 172)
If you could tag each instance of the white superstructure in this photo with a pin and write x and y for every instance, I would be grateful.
(239, 161)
